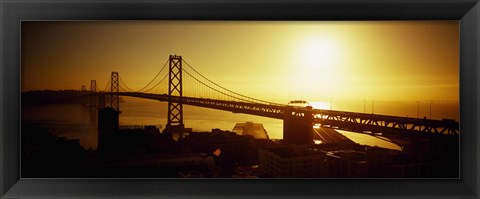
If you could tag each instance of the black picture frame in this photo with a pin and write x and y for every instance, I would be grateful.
(13, 12)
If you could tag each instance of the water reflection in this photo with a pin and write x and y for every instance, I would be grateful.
(365, 139)
(74, 121)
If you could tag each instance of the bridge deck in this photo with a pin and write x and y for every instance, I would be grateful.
(359, 122)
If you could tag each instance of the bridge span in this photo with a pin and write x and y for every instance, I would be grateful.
(297, 121)
(351, 121)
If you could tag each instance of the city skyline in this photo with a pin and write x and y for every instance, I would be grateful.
(310, 60)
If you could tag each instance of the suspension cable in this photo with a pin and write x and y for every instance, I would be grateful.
(214, 88)
(155, 76)
(157, 83)
(121, 81)
(106, 86)
(226, 88)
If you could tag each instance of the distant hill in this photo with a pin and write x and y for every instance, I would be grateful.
(55, 97)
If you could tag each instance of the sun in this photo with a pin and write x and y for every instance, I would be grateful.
(317, 65)
(319, 54)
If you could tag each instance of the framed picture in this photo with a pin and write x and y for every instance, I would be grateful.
(374, 97)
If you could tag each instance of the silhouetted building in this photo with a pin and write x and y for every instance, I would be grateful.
(409, 170)
(298, 126)
(347, 164)
(293, 162)
(174, 129)
(302, 161)
(234, 149)
(396, 164)
(46, 156)
(107, 120)
(196, 165)
(150, 129)
(107, 125)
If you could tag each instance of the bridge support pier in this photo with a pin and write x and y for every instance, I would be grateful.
(298, 127)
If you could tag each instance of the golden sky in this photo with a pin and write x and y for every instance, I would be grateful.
(315, 61)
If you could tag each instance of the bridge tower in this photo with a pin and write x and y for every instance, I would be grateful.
(298, 126)
(175, 109)
(84, 88)
(93, 86)
(93, 89)
(114, 89)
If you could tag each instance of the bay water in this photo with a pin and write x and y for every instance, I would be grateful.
(74, 121)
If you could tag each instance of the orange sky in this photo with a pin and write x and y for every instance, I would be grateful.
(315, 61)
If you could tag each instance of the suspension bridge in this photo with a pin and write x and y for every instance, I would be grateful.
(185, 85)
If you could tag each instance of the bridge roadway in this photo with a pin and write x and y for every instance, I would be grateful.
(351, 121)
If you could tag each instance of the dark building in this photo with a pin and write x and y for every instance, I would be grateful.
(48, 156)
(107, 120)
(233, 149)
(185, 165)
(107, 125)
(315, 161)
(292, 162)
(347, 164)
(298, 126)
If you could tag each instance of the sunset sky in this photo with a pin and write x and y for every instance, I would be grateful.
(394, 60)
